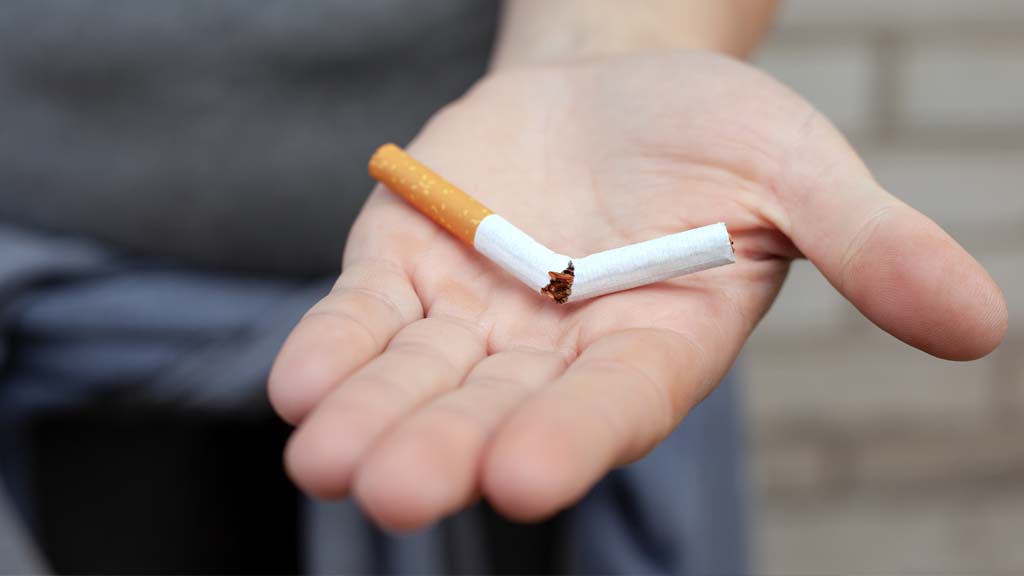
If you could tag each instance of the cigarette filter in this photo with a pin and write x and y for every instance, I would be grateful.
(560, 277)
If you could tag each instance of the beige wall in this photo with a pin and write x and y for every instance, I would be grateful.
(870, 456)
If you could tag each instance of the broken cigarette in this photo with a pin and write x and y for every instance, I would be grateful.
(560, 277)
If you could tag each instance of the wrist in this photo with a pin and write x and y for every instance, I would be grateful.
(535, 32)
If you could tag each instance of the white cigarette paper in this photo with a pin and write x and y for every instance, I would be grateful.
(652, 261)
(516, 252)
(608, 271)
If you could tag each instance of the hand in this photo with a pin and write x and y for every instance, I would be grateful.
(429, 377)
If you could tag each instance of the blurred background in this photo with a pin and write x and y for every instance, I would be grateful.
(867, 456)
(870, 456)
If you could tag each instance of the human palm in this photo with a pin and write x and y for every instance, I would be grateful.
(429, 376)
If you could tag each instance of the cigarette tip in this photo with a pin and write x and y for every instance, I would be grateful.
(732, 241)
(379, 156)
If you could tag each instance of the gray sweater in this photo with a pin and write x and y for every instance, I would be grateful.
(221, 133)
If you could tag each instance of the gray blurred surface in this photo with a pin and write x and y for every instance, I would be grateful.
(870, 456)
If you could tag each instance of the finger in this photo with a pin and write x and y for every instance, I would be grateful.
(894, 264)
(624, 394)
(427, 358)
(369, 304)
(429, 466)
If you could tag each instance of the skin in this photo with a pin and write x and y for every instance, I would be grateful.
(541, 32)
(428, 378)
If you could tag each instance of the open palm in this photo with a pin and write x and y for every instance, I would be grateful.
(429, 377)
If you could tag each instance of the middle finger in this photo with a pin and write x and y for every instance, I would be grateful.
(424, 360)
(429, 466)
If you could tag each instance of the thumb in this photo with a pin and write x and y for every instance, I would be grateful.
(899, 268)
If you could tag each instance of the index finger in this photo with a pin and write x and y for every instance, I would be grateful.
(370, 303)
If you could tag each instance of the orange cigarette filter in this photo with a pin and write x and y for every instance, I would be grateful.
(440, 200)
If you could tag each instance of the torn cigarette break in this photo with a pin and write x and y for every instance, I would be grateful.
(560, 287)
(533, 263)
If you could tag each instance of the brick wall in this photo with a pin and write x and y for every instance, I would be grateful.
(869, 456)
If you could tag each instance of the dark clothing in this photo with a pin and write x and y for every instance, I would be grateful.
(231, 134)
